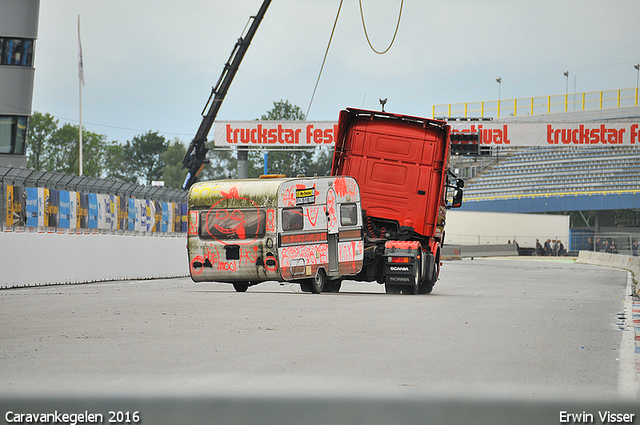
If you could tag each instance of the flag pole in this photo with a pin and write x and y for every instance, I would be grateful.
(80, 84)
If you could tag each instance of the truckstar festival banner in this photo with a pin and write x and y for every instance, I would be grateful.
(552, 134)
(323, 133)
(275, 133)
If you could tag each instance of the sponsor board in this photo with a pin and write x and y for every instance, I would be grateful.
(323, 133)
(551, 134)
(275, 133)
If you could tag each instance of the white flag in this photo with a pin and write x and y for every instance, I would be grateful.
(80, 65)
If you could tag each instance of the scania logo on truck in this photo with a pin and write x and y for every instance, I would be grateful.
(399, 269)
(398, 279)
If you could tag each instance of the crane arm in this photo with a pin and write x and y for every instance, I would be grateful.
(196, 157)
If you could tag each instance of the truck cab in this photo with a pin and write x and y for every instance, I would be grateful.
(401, 165)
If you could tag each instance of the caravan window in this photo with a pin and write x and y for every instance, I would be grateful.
(292, 219)
(348, 214)
(225, 224)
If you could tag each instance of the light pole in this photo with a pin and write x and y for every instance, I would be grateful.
(637, 67)
(566, 92)
(499, 81)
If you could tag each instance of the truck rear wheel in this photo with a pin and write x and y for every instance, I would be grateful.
(392, 289)
(426, 287)
(415, 288)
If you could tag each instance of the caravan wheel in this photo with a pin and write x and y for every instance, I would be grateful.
(318, 282)
(241, 286)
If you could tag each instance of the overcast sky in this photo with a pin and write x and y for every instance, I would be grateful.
(150, 65)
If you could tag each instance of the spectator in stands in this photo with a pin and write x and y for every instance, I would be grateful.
(539, 250)
(612, 248)
(634, 249)
(598, 245)
(591, 245)
(605, 246)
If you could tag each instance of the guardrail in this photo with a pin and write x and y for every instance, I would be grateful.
(541, 104)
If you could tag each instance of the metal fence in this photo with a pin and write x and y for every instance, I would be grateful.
(56, 202)
(541, 104)
(611, 243)
(61, 181)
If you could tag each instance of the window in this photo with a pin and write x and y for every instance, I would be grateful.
(348, 214)
(226, 224)
(13, 134)
(16, 51)
(20, 145)
(5, 135)
(292, 219)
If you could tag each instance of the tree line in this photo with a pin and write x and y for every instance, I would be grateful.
(151, 157)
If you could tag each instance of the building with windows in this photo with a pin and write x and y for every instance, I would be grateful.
(18, 33)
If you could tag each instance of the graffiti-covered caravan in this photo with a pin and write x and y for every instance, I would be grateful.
(305, 230)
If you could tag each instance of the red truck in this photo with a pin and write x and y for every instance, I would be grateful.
(401, 165)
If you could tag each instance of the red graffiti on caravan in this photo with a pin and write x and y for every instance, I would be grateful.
(234, 220)
(311, 254)
(345, 187)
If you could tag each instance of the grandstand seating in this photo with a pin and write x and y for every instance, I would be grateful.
(567, 169)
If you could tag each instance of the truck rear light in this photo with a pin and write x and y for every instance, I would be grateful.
(399, 259)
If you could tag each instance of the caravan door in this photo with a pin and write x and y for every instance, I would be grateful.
(332, 230)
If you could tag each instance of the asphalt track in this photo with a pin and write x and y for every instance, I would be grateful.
(498, 342)
(491, 327)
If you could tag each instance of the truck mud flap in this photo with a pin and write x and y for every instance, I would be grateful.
(399, 274)
(399, 280)
(429, 267)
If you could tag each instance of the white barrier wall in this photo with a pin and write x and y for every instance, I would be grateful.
(454, 252)
(494, 228)
(29, 259)
(626, 262)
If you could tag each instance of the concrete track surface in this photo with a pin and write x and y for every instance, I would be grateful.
(498, 340)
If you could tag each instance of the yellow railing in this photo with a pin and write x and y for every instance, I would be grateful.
(552, 194)
(540, 104)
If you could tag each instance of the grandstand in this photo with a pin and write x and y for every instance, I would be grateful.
(559, 170)
(592, 183)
